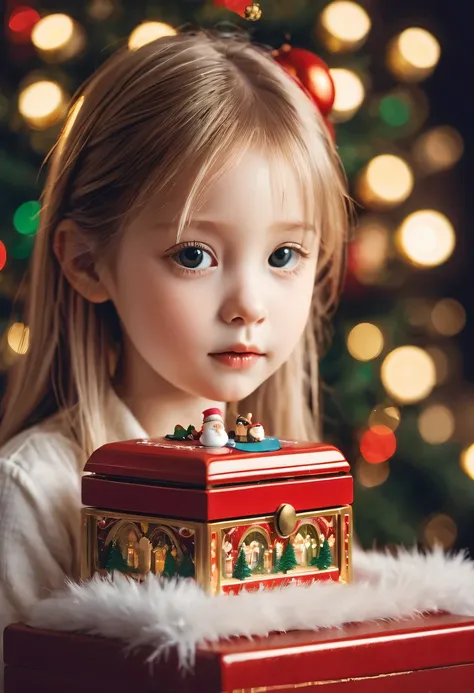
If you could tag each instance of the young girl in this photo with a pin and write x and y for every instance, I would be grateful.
(190, 249)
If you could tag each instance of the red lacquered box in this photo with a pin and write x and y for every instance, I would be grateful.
(227, 518)
(423, 655)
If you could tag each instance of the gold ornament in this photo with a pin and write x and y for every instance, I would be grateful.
(285, 520)
(253, 12)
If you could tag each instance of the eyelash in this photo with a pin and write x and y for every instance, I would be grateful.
(302, 252)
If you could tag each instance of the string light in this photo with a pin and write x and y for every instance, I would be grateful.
(42, 104)
(426, 238)
(365, 341)
(413, 54)
(408, 374)
(385, 182)
(18, 338)
(438, 149)
(350, 93)
(343, 26)
(149, 31)
(448, 317)
(436, 424)
(467, 461)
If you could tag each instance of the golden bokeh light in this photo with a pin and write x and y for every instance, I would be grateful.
(438, 149)
(467, 461)
(386, 181)
(18, 338)
(42, 104)
(344, 26)
(440, 530)
(413, 54)
(448, 317)
(350, 93)
(426, 238)
(441, 362)
(58, 37)
(436, 424)
(371, 248)
(365, 341)
(371, 475)
(408, 374)
(385, 415)
(147, 32)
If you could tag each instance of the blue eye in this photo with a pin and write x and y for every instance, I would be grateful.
(284, 257)
(193, 257)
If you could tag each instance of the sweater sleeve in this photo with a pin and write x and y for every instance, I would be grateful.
(39, 527)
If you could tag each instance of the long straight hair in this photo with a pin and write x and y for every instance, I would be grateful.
(195, 102)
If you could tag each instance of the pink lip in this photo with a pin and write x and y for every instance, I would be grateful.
(239, 356)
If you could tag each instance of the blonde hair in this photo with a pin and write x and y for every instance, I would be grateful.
(196, 99)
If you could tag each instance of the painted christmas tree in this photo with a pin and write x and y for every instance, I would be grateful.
(288, 560)
(324, 559)
(186, 567)
(171, 567)
(115, 560)
(241, 568)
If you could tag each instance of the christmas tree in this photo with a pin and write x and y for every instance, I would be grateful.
(288, 560)
(171, 567)
(324, 559)
(241, 567)
(186, 567)
(116, 561)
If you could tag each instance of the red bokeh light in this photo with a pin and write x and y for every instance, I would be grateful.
(3, 255)
(378, 444)
(21, 23)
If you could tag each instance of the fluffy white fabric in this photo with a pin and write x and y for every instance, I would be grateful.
(164, 614)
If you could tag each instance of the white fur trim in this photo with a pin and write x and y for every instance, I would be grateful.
(162, 614)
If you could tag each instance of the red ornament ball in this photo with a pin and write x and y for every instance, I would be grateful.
(237, 6)
(311, 72)
(378, 444)
(102, 523)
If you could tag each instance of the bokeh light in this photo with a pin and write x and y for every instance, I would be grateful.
(448, 317)
(467, 461)
(21, 23)
(58, 37)
(378, 444)
(441, 362)
(436, 424)
(439, 530)
(365, 341)
(408, 374)
(370, 247)
(344, 26)
(385, 415)
(438, 149)
(413, 54)
(147, 32)
(350, 94)
(3, 255)
(426, 238)
(42, 104)
(18, 338)
(371, 475)
(26, 218)
(386, 181)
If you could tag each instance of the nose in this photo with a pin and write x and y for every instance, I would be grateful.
(244, 305)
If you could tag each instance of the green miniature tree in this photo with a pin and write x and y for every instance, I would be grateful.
(241, 567)
(288, 560)
(186, 567)
(171, 567)
(115, 559)
(324, 559)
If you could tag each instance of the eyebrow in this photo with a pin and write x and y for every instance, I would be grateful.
(210, 225)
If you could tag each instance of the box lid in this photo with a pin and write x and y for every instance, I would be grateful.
(186, 463)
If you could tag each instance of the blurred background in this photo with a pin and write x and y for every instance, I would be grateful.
(399, 376)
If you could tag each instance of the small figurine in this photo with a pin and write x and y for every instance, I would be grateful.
(213, 433)
(181, 433)
(250, 437)
(256, 433)
(242, 426)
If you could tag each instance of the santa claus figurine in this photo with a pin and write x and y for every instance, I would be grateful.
(213, 433)
(256, 433)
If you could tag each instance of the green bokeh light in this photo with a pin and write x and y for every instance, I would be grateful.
(395, 111)
(26, 218)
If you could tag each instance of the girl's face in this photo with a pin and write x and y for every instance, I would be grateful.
(219, 312)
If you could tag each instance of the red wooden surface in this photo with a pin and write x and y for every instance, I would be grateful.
(216, 503)
(426, 655)
(187, 463)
